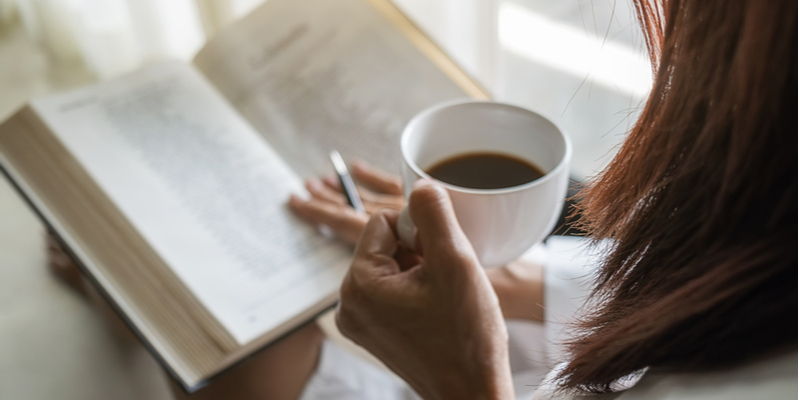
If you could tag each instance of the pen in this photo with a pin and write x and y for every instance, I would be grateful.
(348, 187)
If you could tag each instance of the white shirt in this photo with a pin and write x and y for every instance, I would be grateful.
(534, 349)
(771, 378)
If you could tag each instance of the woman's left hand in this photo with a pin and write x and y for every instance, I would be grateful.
(328, 205)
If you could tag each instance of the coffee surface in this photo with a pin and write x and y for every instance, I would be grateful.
(485, 171)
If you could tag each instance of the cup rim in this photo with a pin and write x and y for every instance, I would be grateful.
(563, 163)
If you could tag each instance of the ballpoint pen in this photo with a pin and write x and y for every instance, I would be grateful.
(348, 187)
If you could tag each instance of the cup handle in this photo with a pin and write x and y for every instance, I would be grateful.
(406, 230)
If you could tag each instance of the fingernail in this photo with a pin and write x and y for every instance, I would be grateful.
(314, 184)
(425, 182)
(294, 199)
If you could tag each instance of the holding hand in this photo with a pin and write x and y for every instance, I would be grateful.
(518, 285)
(328, 206)
(433, 318)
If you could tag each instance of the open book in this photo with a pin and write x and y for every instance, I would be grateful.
(169, 185)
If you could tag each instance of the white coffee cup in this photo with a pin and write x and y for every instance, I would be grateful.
(501, 224)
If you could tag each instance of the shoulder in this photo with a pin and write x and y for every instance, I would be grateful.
(772, 378)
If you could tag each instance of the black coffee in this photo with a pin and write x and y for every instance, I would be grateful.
(485, 171)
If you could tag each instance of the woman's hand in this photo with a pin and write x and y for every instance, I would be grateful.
(328, 206)
(518, 285)
(433, 319)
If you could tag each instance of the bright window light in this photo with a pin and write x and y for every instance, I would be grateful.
(566, 48)
(241, 8)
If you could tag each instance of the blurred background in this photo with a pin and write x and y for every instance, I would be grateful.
(581, 63)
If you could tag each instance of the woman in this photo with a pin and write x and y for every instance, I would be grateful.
(700, 205)
(697, 290)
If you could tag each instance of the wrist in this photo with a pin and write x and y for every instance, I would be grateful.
(490, 385)
(520, 289)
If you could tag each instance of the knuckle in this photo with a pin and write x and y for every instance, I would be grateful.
(395, 186)
(347, 322)
(351, 294)
(339, 217)
(366, 196)
(337, 224)
(343, 322)
(347, 290)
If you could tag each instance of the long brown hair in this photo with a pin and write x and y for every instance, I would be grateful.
(700, 203)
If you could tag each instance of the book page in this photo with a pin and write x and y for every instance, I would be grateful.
(205, 191)
(317, 75)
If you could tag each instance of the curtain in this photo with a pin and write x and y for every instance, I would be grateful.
(112, 37)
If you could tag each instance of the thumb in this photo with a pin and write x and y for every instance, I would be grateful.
(438, 230)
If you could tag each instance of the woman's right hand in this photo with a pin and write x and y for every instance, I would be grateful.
(432, 317)
(518, 285)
